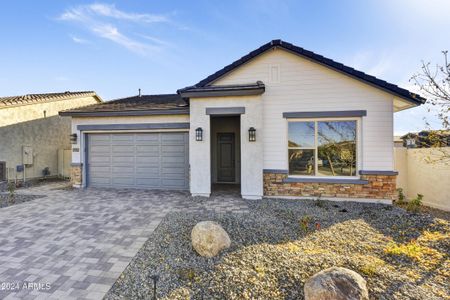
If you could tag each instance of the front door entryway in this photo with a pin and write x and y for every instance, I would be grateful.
(226, 166)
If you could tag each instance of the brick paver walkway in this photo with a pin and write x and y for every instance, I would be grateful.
(74, 244)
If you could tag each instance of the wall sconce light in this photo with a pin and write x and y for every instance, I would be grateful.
(252, 134)
(199, 134)
(73, 138)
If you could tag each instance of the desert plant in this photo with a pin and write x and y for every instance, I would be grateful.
(319, 202)
(12, 192)
(415, 204)
(401, 196)
(304, 223)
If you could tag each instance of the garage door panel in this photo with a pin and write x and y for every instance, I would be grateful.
(122, 137)
(148, 173)
(100, 180)
(138, 160)
(122, 149)
(122, 170)
(100, 159)
(148, 149)
(175, 183)
(172, 159)
(173, 148)
(122, 160)
(180, 137)
(100, 149)
(147, 138)
(123, 181)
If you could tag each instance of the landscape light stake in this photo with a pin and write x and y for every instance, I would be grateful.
(155, 278)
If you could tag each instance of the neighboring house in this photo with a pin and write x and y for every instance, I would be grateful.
(427, 139)
(280, 121)
(32, 132)
(398, 142)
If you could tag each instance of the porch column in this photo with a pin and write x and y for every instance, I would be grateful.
(200, 153)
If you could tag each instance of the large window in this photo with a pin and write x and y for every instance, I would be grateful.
(322, 148)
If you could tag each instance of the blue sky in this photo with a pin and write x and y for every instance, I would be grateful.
(116, 47)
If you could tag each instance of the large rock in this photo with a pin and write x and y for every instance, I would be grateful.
(336, 283)
(209, 238)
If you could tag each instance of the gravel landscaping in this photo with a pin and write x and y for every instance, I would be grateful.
(6, 200)
(278, 244)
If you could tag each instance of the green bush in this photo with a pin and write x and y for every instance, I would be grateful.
(304, 223)
(415, 204)
(12, 191)
(401, 196)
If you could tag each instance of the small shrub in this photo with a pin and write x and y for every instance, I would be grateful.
(319, 202)
(401, 196)
(304, 223)
(12, 191)
(415, 204)
(187, 274)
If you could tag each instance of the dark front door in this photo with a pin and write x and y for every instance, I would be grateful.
(226, 171)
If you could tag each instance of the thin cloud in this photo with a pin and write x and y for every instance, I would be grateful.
(373, 65)
(98, 18)
(110, 10)
(111, 33)
(79, 40)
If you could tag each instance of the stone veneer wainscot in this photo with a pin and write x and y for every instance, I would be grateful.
(75, 174)
(377, 187)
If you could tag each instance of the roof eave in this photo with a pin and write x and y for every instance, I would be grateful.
(222, 93)
(124, 113)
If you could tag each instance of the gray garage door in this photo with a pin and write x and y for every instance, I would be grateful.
(138, 160)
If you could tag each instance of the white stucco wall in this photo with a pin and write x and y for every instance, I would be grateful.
(251, 152)
(300, 85)
(26, 126)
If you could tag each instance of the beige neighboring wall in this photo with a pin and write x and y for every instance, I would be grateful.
(417, 176)
(25, 125)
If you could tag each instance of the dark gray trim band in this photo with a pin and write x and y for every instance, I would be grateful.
(325, 114)
(275, 171)
(385, 173)
(245, 92)
(326, 180)
(134, 126)
(76, 164)
(225, 110)
(125, 113)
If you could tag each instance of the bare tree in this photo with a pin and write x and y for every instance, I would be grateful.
(434, 83)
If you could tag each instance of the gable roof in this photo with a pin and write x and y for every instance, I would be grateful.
(339, 67)
(134, 106)
(43, 98)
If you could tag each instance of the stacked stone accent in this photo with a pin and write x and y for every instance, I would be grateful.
(378, 187)
(75, 174)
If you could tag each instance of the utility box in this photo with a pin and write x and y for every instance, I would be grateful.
(27, 155)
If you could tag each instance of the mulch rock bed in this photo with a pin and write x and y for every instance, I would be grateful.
(6, 200)
(281, 243)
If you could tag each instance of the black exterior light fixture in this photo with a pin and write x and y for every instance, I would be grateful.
(252, 134)
(73, 138)
(199, 134)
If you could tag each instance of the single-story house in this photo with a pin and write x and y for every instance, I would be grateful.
(426, 139)
(280, 121)
(32, 132)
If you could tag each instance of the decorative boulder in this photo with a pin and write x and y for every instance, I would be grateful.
(209, 238)
(336, 283)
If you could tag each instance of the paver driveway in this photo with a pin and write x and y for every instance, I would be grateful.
(75, 244)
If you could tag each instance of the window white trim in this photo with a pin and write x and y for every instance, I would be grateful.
(358, 137)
